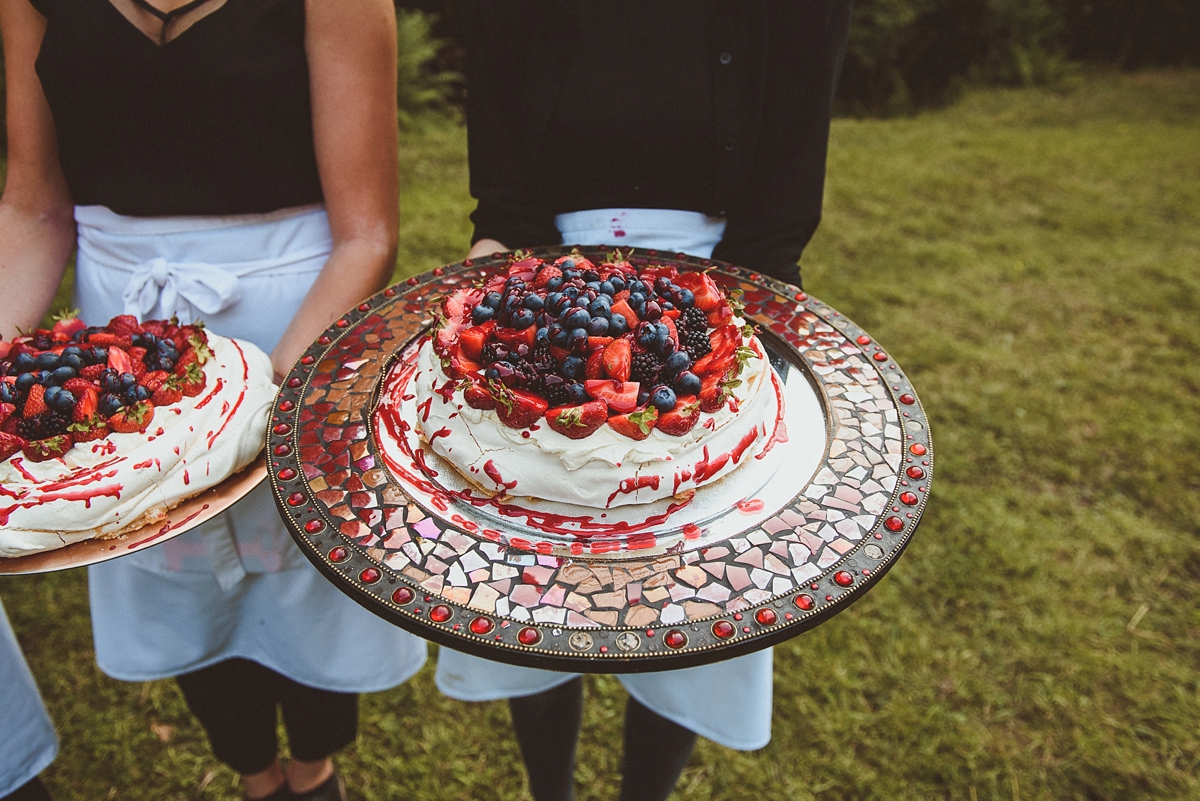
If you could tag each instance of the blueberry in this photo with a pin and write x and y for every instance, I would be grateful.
(59, 399)
(554, 283)
(110, 404)
(617, 282)
(662, 398)
(663, 345)
(61, 375)
(24, 363)
(617, 325)
(74, 361)
(571, 292)
(662, 284)
(576, 394)
(578, 340)
(99, 355)
(576, 318)
(687, 383)
(607, 288)
(653, 310)
(542, 336)
(559, 337)
(481, 314)
(533, 302)
(514, 283)
(572, 367)
(128, 381)
(522, 319)
(567, 266)
(686, 299)
(72, 350)
(591, 275)
(46, 361)
(110, 380)
(597, 327)
(492, 300)
(643, 395)
(646, 335)
(636, 285)
(8, 393)
(667, 305)
(593, 285)
(25, 381)
(600, 306)
(676, 363)
(43, 377)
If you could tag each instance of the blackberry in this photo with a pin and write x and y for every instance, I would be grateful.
(494, 352)
(554, 389)
(692, 320)
(695, 344)
(542, 359)
(42, 426)
(644, 367)
(526, 376)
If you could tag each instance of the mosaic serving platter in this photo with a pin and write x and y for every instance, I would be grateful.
(757, 568)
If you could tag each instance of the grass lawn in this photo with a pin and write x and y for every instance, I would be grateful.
(1033, 260)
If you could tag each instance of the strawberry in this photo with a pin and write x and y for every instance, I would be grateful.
(185, 358)
(579, 421)
(598, 343)
(154, 379)
(6, 411)
(41, 450)
(139, 369)
(617, 357)
(478, 396)
(707, 295)
(460, 366)
(88, 430)
(137, 353)
(518, 408)
(169, 392)
(9, 426)
(194, 333)
(721, 314)
(132, 418)
(5, 348)
(198, 346)
(119, 360)
(92, 371)
(77, 385)
(125, 324)
(68, 323)
(619, 396)
(473, 339)
(682, 418)
(513, 337)
(545, 274)
(10, 444)
(156, 327)
(86, 402)
(35, 402)
(192, 380)
(523, 268)
(672, 331)
(635, 425)
(578, 261)
(105, 339)
(625, 310)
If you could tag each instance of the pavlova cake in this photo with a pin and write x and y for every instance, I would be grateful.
(104, 430)
(595, 385)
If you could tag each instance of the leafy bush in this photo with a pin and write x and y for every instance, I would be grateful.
(423, 85)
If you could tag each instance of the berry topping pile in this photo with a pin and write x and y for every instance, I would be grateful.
(75, 383)
(585, 345)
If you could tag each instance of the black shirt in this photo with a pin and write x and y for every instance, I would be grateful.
(216, 121)
(717, 106)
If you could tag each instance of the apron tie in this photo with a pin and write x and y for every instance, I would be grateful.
(184, 290)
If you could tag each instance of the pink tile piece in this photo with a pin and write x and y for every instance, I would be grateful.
(752, 557)
(738, 578)
(426, 528)
(536, 575)
(717, 569)
(526, 595)
(775, 525)
(791, 518)
(555, 595)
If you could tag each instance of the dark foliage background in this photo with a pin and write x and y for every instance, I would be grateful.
(905, 55)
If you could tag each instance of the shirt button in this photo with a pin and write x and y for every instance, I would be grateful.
(729, 145)
(726, 57)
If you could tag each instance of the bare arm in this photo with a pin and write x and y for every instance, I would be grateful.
(37, 225)
(351, 48)
(485, 247)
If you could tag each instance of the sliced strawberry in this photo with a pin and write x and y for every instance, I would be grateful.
(559, 353)
(105, 339)
(86, 402)
(672, 331)
(622, 308)
(725, 340)
(579, 421)
(192, 380)
(707, 294)
(137, 353)
(518, 408)
(545, 274)
(598, 343)
(635, 425)
(513, 337)
(524, 269)
(186, 358)
(682, 418)
(154, 379)
(478, 396)
(594, 369)
(621, 396)
(88, 430)
(9, 426)
(194, 333)
(473, 339)
(119, 360)
(721, 314)
(168, 393)
(10, 444)
(617, 358)
(77, 385)
(35, 402)
(92, 371)
(124, 324)
(6, 411)
(132, 418)
(712, 397)
(41, 450)
(459, 366)
(197, 345)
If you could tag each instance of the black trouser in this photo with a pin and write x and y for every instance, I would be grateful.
(31, 791)
(236, 702)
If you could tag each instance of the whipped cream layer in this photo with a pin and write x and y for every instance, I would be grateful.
(603, 470)
(109, 486)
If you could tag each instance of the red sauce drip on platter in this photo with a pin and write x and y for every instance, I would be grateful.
(691, 531)
(779, 433)
(632, 485)
(419, 458)
(167, 528)
(750, 506)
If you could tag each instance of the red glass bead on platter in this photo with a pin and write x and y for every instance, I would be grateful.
(723, 629)
(313, 526)
(917, 449)
(843, 578)
(893, 523)
(296, 499)
(915, 472)
(294, 382)
(675, 639)
(804, 601)
(403, 596)
(529, 636)
(339, 554)
(863, 340)
(287, 474)
(909, 498)
(766, 617)
(286, 406)
(482, 625)
(282, 429)
(907, 400)
(283, 450)
(880, 357)
(440, 613)
(369, 575)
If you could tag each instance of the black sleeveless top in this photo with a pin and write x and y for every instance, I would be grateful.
(216, 121)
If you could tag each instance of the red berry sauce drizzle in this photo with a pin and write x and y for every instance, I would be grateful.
(485, 591)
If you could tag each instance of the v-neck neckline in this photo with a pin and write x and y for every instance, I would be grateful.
(166, 18)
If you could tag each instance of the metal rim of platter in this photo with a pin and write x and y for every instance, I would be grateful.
(183, 518)
(795, 567)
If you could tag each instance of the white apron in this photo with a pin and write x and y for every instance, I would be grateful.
(236, 586)
(727, 702)
(27, 741)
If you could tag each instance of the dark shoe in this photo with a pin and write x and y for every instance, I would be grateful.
(333, 789)
(282, 794)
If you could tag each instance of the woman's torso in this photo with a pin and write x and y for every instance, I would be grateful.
(217, 121)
